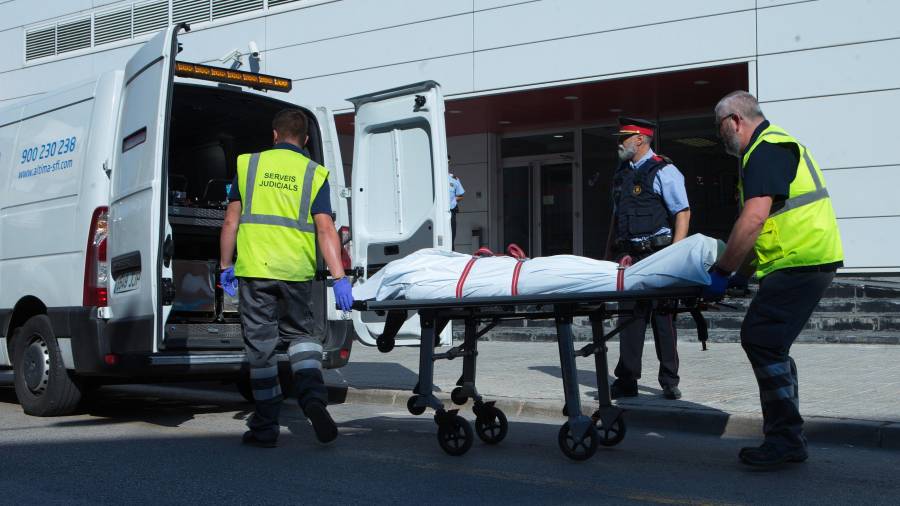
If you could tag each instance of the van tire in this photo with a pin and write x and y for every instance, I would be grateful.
(43, 385)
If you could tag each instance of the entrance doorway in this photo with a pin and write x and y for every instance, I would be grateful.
(539, 204)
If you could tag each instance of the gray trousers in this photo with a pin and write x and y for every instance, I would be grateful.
(275, 312)
(631, 346)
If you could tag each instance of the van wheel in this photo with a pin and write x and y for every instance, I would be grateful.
(43, 385)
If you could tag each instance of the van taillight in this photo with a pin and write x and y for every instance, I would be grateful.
(344, 232)
(96, 269)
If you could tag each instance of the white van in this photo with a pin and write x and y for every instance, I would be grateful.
(112, 197)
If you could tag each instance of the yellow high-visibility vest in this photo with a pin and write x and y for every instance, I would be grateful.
(277, 235)
(804, 232)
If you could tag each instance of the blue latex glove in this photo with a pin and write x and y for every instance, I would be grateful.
(343, 294)
(228, 281)
(717, 285)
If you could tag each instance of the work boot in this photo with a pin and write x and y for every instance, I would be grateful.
(770, 455)
(324, 426)
(623, 389)
(671, 392)
(249, 438)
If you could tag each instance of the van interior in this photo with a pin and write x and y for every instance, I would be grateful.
(210, 126)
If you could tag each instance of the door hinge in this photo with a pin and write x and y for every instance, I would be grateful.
(168, 291)
(168, 250)
(345, 192)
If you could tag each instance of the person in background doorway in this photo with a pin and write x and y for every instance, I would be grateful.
(651, 212)
(788, 234)
(456, 195)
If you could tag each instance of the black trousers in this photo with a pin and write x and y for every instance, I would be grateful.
(453, 213)
(777, 314)
(631, 344)
(275, 312)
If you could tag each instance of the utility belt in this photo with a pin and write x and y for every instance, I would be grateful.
(648, 245)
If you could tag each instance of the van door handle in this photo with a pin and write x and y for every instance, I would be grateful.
(168, 250)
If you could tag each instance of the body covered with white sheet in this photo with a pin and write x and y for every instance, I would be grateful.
(435, 274)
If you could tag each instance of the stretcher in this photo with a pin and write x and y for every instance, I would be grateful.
(580, 435)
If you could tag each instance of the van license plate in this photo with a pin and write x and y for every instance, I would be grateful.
(127, 282)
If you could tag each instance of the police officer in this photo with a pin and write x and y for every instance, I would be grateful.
(787, 228)
(456, 194)
(279, 209)
(651, 212)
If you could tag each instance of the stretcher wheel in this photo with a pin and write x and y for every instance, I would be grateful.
(385, 344)
(491, 426)
(581, 450)
(457, 396)
(612, 435)
(411, 406)
(455, 435)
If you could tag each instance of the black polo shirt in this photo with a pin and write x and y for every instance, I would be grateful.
(322, 203)
(770, 169)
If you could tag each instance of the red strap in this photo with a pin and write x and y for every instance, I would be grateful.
(515, 280)
(624, 263)
(480, 253)
(516, 252)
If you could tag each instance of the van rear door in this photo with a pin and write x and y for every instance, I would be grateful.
(139, 243)
(400, 188)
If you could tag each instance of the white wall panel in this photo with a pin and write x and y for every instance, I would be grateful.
(866, 243)
(826, 125)
(493, 4)
(44, 78)
(13, 44)
(549, 19)
(453, 73)
(419, 41)
(473, 177)
(354, 16)
(826, 23)
(465, 222)
(841, 69)
(467, 148)
(26, 12)
(863, 192)
(602, 54)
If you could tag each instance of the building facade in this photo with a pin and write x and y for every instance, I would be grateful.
(533, 89)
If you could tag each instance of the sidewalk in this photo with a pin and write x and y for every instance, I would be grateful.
(849, 394)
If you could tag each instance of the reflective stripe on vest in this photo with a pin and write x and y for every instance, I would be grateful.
(267, 219)
(277, 235)
(804, 231)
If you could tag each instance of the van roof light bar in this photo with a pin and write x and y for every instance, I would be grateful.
(253, 80)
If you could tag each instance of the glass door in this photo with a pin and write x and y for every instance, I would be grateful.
(538, 205)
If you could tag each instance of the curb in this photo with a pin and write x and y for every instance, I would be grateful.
(818, 429)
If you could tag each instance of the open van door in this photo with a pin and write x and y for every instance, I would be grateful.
(139, 246)
(400, 188)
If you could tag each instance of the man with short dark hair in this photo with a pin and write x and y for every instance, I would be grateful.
(280, 207)
(787, 232)
(651, 212)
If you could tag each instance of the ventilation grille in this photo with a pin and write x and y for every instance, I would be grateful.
(150, 17)
(40, 43)
(112, 26)
(275, 3)
(225, 8)
(190, 11)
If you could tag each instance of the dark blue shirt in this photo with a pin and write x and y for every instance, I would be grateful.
(770, 169)
(322, 203)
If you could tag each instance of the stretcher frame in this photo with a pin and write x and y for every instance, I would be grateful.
(580, 434)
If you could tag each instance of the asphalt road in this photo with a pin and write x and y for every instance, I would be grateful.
(161, 445)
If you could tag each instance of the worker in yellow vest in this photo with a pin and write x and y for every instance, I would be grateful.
(787, 232)
(280, 206)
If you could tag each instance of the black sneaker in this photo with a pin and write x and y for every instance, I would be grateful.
(671, 392)
(324, 426)
(769, 455)
(618, 390)
(249, 438)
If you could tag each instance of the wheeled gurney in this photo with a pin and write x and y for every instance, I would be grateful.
(580, 434)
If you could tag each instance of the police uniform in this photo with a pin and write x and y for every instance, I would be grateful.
(647, 195)
(456, 190)
(798, 251)
(281, 189)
